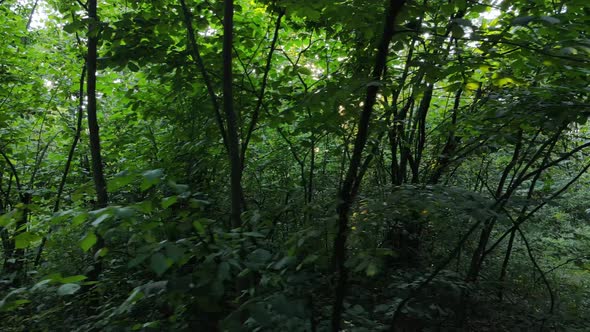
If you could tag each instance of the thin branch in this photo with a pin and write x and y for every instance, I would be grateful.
(520, 45)
(519, 221)
(83, 5)
(14, 172)
(552, 163)
(571, 260)
(31, 14)
(255, 115)
(534, 261)
(40, 159)
(431, 277)
(291, 147)
(64, 177)
(201, 65)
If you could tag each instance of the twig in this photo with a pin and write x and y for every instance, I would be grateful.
(201, 65)
(545, 281)
(431, 277)
(260, 100)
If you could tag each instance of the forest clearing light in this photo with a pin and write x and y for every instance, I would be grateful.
(492, 14)
(40, 15)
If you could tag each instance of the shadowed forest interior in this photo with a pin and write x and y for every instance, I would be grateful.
(294, 165)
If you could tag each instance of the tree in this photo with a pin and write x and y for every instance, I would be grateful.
(291, 165)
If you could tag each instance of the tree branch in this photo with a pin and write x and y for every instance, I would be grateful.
(255, 115)
(201, 65)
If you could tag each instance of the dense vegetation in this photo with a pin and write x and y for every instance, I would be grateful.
(294, 165)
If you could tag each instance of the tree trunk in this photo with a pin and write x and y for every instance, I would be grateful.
(230, 114)
(422, 113)
(444, 160)
(100, 184)
(504, 269)
(97, 169)
(352, 180)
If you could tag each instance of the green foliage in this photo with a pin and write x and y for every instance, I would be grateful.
(499, 148)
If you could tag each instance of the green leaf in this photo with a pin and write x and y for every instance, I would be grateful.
(371, 269)
(284, 262)
(132, 66)
(101, 252)
(550, 20)
(309, 259)
(5, 304)
(79, 218)
(151, 178)
(260, 256)
(6, 218)
(168, 201)
(522, 20)
(67, 289)
(145, 206)
(72, 279)
(472, 86)
(504, 81)
(253, 234)
(120, 180)
(101, 218)
(135, 296)
(88, 241)
(281, 305)
(137, 260)
(24, 240)
(223, 272)
(457, 31)
(260, 314)
(304, 71)
(151, 325)
(124, 212)
(159, 263)
(199, 226)
(174, 252)
(12, 305)
(41, 284)
(463, 22)
(568, 51)
(73, 27)
(197, 203)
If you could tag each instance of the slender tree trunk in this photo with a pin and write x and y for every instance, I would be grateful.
(311, 170)
(12, 262)
(17, 263)
(505, 263)
(7, 244)
(352, 180)
(100, 184)
(393, 132)
(478, 254)
(97, 169)
(444, 160)
(402, 141)
(230, 114)
(64, 177)
(422, 113)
